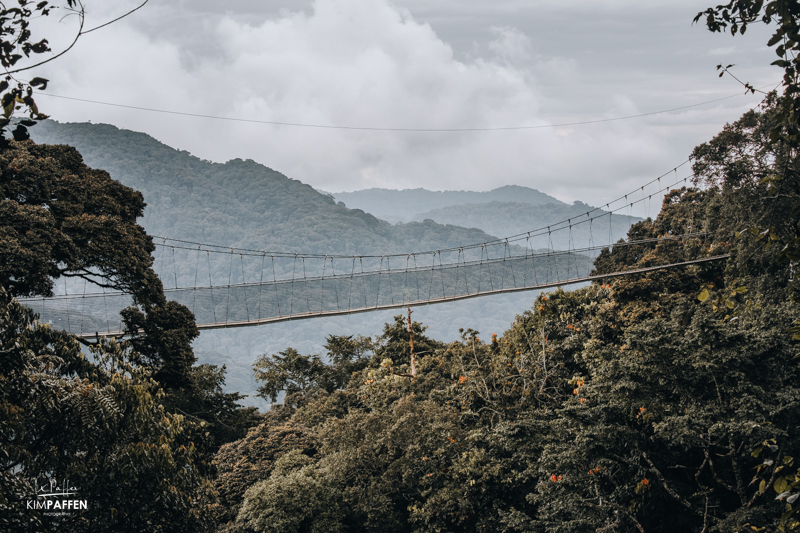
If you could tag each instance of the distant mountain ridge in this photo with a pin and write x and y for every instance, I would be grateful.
(405, 205)
(240, 203)
(505, 211)
(515, 218)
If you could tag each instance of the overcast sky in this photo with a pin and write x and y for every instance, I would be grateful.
(417, 64)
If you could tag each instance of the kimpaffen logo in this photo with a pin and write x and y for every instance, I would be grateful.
(52, 497)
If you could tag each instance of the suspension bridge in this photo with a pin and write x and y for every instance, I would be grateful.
(237, 287)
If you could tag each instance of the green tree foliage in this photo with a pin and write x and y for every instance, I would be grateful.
(289, 371)
(62, 218)
(244, 463)
(300, 376)
(58, 217)
(629, 405)
(101, 425)
(215, 416)
(781, 137)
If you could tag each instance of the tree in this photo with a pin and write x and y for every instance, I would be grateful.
(781, 137)
(59, 217)
(300, 376)
(62, 218)
(100, 425)
(243, 463)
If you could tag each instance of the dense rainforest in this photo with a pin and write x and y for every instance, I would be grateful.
(665, 401)
(659, 401)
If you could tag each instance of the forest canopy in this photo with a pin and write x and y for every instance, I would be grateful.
(658, 401)
(630, 405)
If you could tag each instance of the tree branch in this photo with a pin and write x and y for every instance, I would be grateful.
(116, 19)
(82, 16)
(664, 484)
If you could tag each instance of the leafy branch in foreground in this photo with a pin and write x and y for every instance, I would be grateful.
(17, 42)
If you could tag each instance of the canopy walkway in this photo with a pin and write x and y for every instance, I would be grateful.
(233, 287)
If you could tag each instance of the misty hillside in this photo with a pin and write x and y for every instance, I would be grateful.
(239, 203)
(245, 204)
(405, 205)
(513, 218)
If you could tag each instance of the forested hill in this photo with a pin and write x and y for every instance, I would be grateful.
(405, 205)
(516, 217)
(239, 203)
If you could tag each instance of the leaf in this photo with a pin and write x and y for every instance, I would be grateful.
(762, 486)
(793, 498)
(703, 296)
(780, 485)
(20, 133)
(39, 82)
(741, 290)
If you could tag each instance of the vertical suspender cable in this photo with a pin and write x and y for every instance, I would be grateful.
(441, 274)
(244, 288)
(196, 271)
(335, 285)
(458, 265)
(480, 269)
(503, 267)
(525, 272)
(389, 271)
(275, 284)
(322, 285)
(380, 271)
(363, 279)
(350, 291)
(261, 284)
(174, 268)
(83, 301)
(305, 284)
(291, 292)
(228, 299)
(105, 306)
(211, 287)
(489, 269)
(416, 277)
(433, 266)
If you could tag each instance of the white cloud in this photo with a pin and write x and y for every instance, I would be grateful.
(511, 45)
(368, 63)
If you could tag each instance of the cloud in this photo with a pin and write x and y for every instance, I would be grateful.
(365, 63)
(726, 51)
(511, 45)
